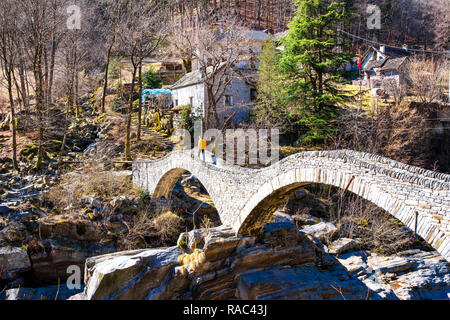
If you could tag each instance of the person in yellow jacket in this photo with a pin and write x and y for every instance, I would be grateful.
(201, 147)
(214, 158)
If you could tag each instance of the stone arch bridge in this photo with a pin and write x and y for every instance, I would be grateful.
(246, 198)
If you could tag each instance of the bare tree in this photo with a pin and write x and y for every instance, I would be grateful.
(8, 55)
(426, 79)
(140, 34)
(218, 47)
(113, 11)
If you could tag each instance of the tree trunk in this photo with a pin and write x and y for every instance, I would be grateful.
(75, 73)
(130, 111)
(13, 117)
(140, 103)
(23, 86)
(51, 71)
(38, 75)
(105, 83)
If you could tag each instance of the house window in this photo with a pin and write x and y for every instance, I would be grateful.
(228, 100)
(252, 94)
(191, 100)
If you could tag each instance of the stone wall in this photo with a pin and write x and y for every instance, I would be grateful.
(246, 198)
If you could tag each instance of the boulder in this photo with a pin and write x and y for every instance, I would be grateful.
(309, 283)
(341, 245)
(280, 216)
(306, 219)
(67, 227)
(92, 202)
(14, 231)
(300, 194)
(51, 262)
(206, 209)
(12, 262)
(54, 292)
(129, 276)
(322, 231)
(354, 262)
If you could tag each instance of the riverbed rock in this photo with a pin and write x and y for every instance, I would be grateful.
(53, 292)
(14, 231)
(130, 275)
(280, 216)
(224, 266)
(69, 227)
(341, 245)
(51, 262)
(408, 275)
(322, 231)
(13, 261)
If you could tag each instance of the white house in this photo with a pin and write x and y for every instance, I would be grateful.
(238, 98)
(384, 65)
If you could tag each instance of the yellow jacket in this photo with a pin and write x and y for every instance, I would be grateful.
(202, 144)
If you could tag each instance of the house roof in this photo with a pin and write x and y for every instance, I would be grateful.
(393, 64)
(374, 64)
(195, 77)
(392, 52)
(190, 79)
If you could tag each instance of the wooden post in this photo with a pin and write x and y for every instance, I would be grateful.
(415, 224)
(348, 185)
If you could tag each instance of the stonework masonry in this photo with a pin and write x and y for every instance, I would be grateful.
(246, 198)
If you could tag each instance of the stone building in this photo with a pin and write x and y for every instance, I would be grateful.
(383, 67)
(238, 97)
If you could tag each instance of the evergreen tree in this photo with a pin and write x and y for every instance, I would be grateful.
(310, 66)
(150, 80)
(269, 109)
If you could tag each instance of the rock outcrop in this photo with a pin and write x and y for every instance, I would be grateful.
(281, 263)
(13, 261)
(408, 275)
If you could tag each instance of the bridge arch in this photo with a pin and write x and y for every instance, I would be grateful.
(274, 193)
(271, 195)
(246, 198)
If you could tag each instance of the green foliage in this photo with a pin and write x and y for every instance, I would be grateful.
(188, 118)
(150, 80)
(269, 111)
(309, 67)
(145, 196)
(114, 69)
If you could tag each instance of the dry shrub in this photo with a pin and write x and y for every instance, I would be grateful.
(427, 79)
(373, 228)
(403, 133)
(167, 226)
(150, 229)
(376, 229)
(89, 182)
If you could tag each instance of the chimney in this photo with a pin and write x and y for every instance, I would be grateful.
(383, 49)
(405, 47)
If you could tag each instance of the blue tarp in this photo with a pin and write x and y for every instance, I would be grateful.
(154, 92)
